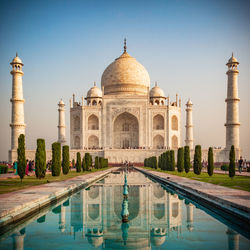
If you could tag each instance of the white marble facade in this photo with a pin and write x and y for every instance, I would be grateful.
(125, 114)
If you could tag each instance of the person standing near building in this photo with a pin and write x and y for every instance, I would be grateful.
(240, 163)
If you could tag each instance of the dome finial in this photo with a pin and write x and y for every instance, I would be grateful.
(232, 54)
(16, 54)
(125, 45)
(156, 84)
(94, 83)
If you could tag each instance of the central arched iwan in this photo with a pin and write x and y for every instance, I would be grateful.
(126, 131)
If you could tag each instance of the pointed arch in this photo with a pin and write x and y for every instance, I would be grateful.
(174, 142)
(93, 122)
(174, 123)
(158, 142)
(158, 122)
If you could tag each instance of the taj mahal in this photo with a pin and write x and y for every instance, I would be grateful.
(125, 119)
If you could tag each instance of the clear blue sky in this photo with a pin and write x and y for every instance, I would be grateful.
(66, 45)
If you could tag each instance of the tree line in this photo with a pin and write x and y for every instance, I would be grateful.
(60, 159)
(166, 161)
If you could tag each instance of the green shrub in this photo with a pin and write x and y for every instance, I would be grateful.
(224, 167)
(187, 163)
(96, 162)
(21, 159)
(197, 160)
(3, 169)
(65, 159)
(210, 165)
(73, 163)
(248, 169)
(168, 160)
(232, 162)
(180, 160)
(78, 162)
(56, 159)
(105, 162)
(154, 162)
(40, 159)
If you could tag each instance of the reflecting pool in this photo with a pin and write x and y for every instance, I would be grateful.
(91, 218)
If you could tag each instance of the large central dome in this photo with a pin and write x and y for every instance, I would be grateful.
(125, 76)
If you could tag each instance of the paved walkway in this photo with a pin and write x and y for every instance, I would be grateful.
(23, 202)
(232, 198)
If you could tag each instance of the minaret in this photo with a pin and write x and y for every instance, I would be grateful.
(17, 116)
(189, 125)
(232, 117)
(61, 122)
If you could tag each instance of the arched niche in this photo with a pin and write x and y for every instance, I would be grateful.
(93, 142)
(174, 123)
(158, 142)
(174, 142)
(76, 123)
(158, 122)
(159, 210)
(93, 211)
(77, 142)
(125, 131)
(93, 122)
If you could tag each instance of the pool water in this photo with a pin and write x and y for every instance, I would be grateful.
(91, 219)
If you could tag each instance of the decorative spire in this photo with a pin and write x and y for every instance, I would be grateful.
(94, 83)
(16, 54)
(156, 84)
(232, 54)
(125, 45)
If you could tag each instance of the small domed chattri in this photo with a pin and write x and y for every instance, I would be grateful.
(94, 91)
(156, 91)
(17, 60)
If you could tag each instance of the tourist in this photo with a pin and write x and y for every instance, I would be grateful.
(15, 167)
(245, 164)
(240, 163)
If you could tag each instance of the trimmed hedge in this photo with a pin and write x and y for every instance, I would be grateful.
(96, 162)
(210, 166)
(187, 163)
(21, 159)
(40, 159)
(151, 162)
(224, 167)
(78, 162)
(197, 160)
(180, 160)
(65, 159)
(3, 169)
(172, 161)
(56, 159)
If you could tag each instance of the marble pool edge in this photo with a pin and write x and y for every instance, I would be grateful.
(20, 212)
(227, 208)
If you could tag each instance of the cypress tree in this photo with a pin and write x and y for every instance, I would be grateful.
(21, 159)
(172, 161)
(88, 161)
(164, 161)
(197, 160)
(83, 164)
(210, 165)
(168, 160)
(154, 162)
(40, 159)
(73, 163)
(232, 162)
(96, 162)
(187, 163)
(56, 159)
(65, 159)
(180, 160)
(159, 162)
(78, 162)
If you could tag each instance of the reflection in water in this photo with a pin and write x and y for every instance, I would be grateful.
(93, 215)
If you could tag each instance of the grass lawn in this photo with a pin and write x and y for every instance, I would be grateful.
(237, 182)
(14, 184)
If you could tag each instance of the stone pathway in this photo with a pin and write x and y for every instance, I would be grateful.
(23, 202)
(231, 198)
